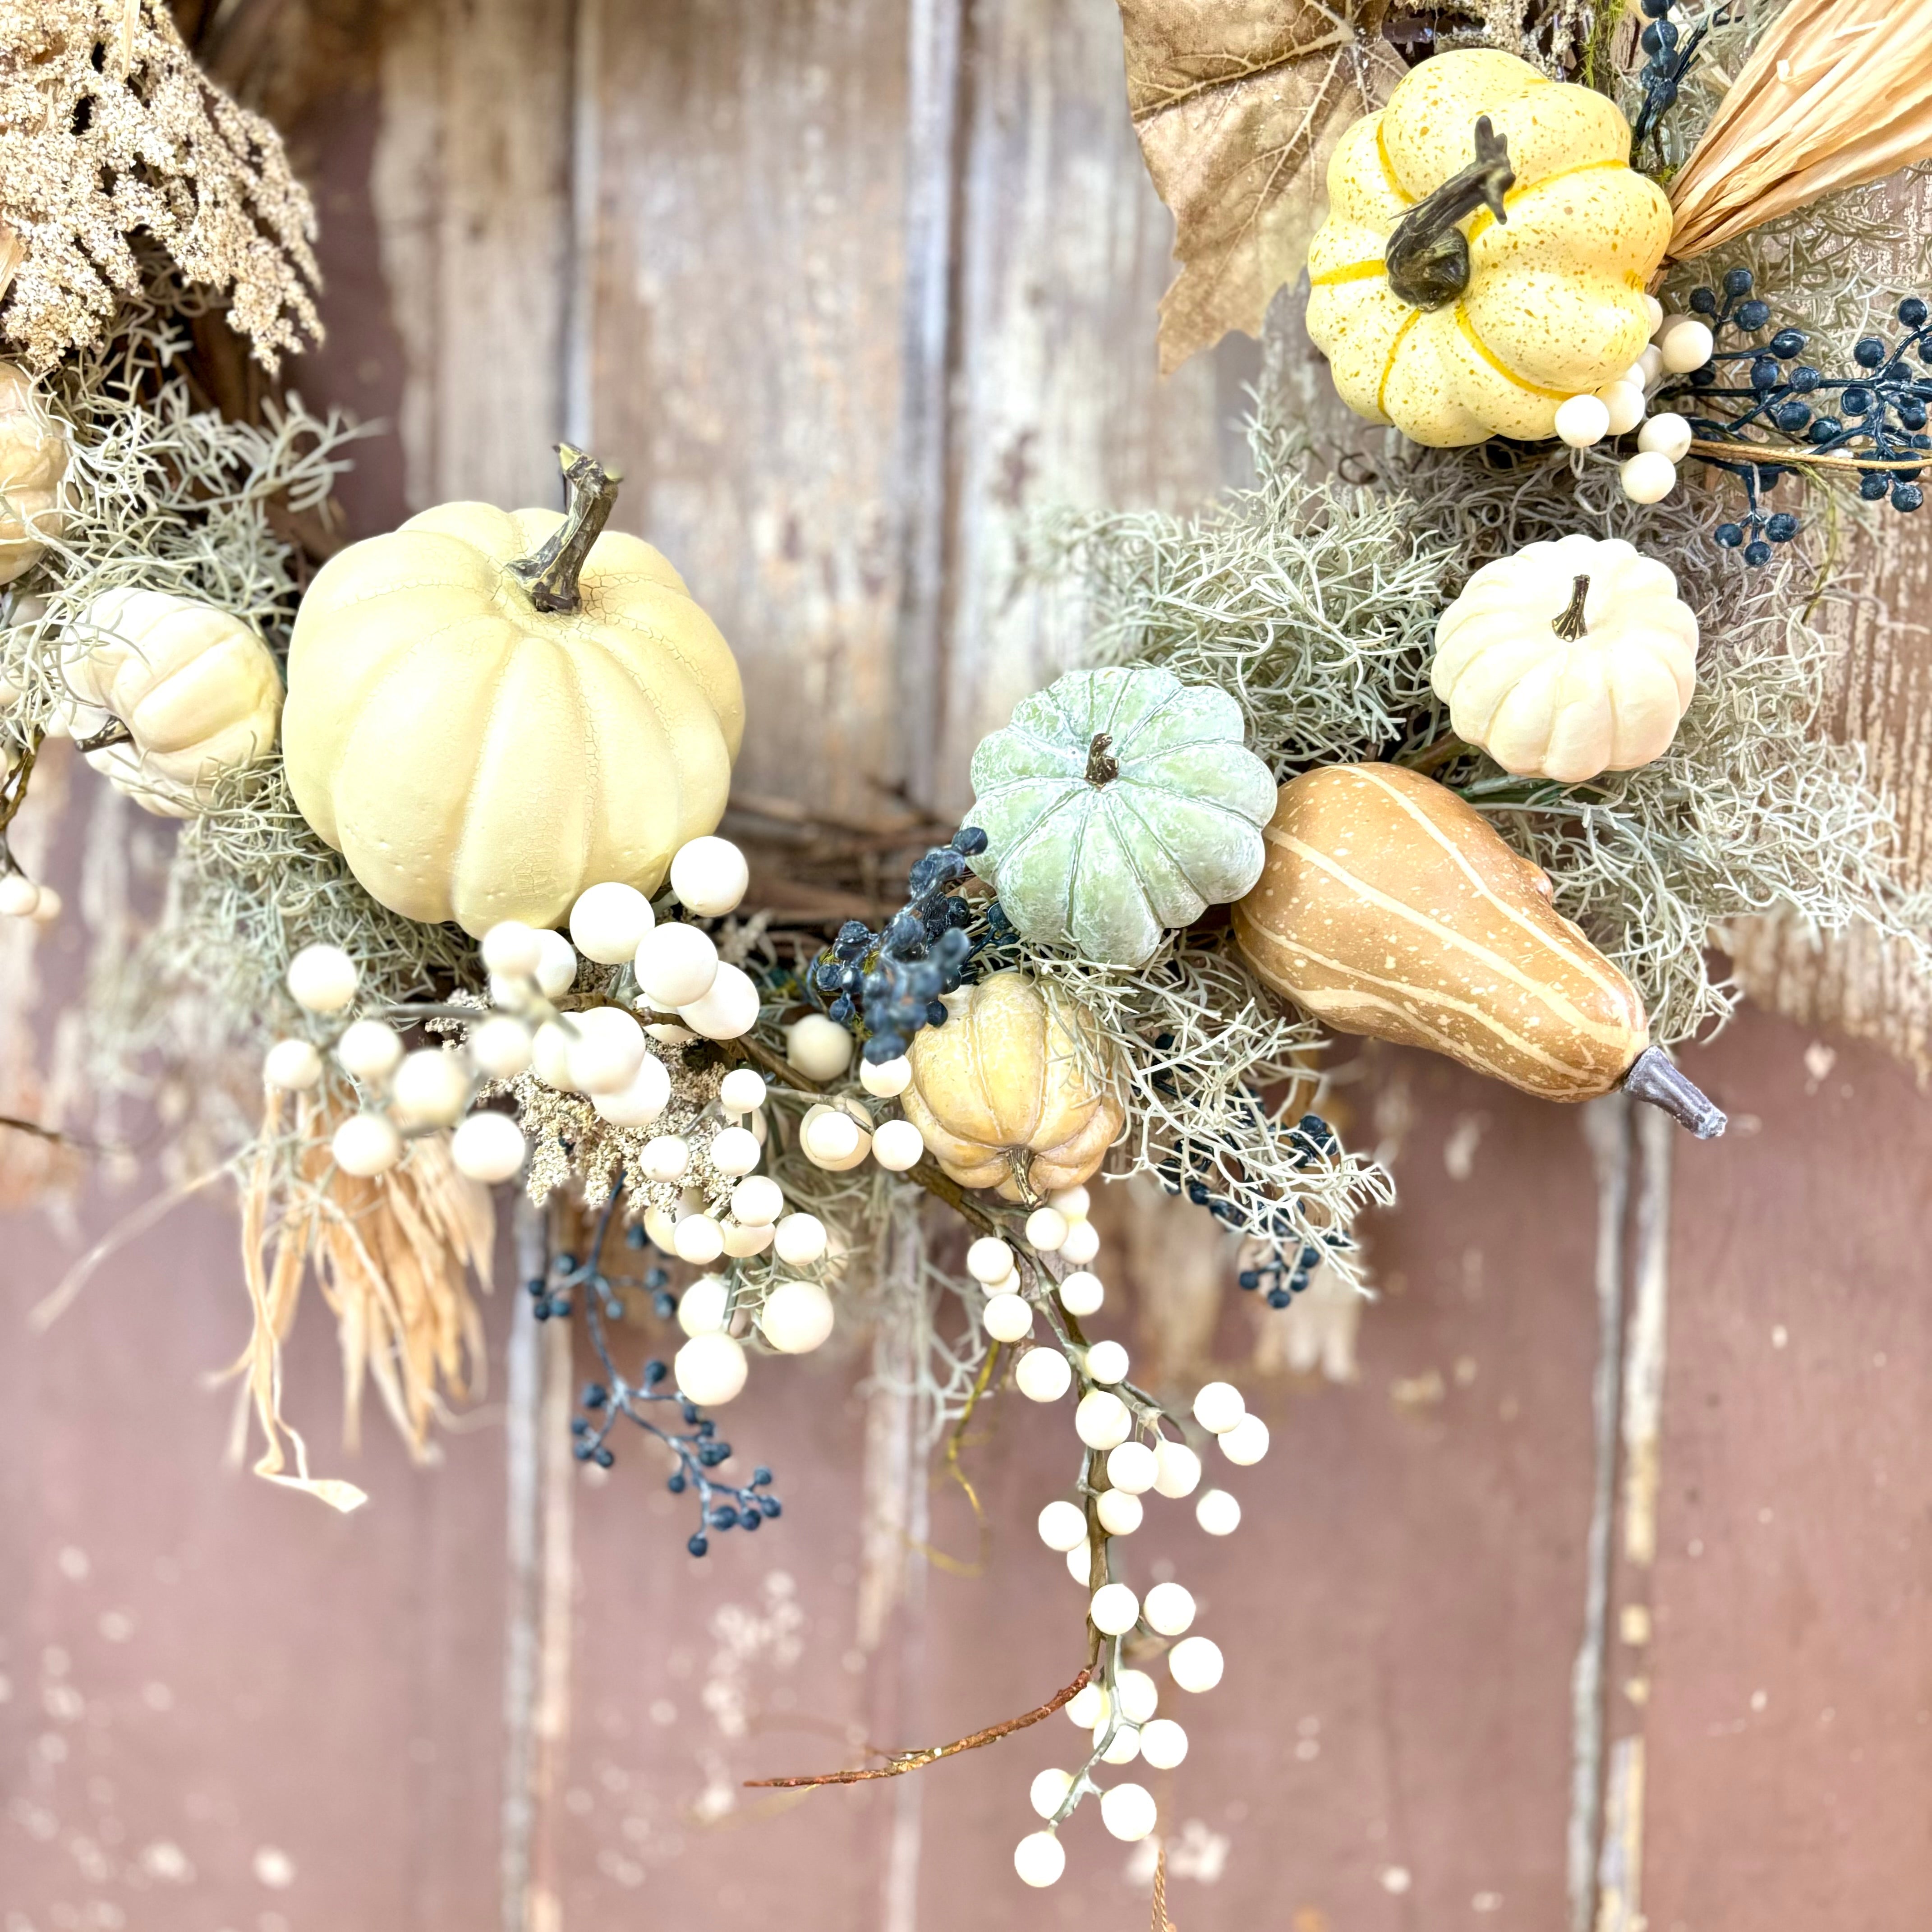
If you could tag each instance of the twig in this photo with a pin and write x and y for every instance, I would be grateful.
(901, 1761)
(1771, 456)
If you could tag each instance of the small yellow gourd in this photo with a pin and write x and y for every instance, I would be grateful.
(33, 461)
(194, 687)
(1568, 658)
(1011, 1093)
(490, 711)
(1486, 251)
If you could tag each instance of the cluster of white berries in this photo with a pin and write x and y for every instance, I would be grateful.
(1679, 344)
(840, 1134)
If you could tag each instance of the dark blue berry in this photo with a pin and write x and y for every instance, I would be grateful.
(1765, 373)
(634, 1235)
(723, 1516)
(842, 1009)
(1757, 553)
(604, 1457)
(1912, 415)
(1804, 379)
(1857, 400)
(664, 1305)
(1868, 351)
(1703, 302)
(1737, 282)
(1874, 485)
(1753, 314)
(1913, 312)
(1907, 496)
(1729, 535)
(760, 1476)
(698, 1544)
(595, 1396)
(1249, 1278)
(935, 1013)
(654, 1373)
(883, 1047)
(1787, 342)
(1791, 417)
(1279, 1297)
(675, 1482)
(969, 839)
(1782, 527)
(770, 1506)
(1825, 428)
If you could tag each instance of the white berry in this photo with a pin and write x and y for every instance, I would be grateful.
(1081, 1294)
(488, 1148)
(1088, 1706)
(989, 1260)
(710, 876)
(886, 1079)
(1120, 1512)
(702, 1307)
(1137, 1694)
(1115, 1610)
(734, 1151)
(46, 907)
(1650, 366)
(1038, 1859)
(1124, 1748)
(897, 1145)
(1582, 421)
(1073, 1202)
(501, 1047)
(510, 947)
(1195, 1663)
(1169, 1609)
(1649, 477)
(1046, 1229)
(709, 1370)
(293, 1065)
(1102, 1421)
(1007, 1318)
(741, 1242)
(1667, 435)
(1685, 343)
(675, 964)
(432, 1088)
(819, 1047)
(728, 1010)
(801, 1240)
(665, 1158)
(606, 1049)
(1163, 1744)
(1132, 1466)
(1063, 1525)
(20, 898)
(640, 1103)
(366, 1145)
(1218, 1513)
(1654, 310)
(832, 1139)
(1626, 403)
(1247, 1442)
(1049, 1791)
(698, 1239)
(1177, 1469)
(757, 1200)
(1128, 1811)
(741, 1091)
(1043, 1375)
(608, 923)
(556, 965)
(1107, 1362)
(1218, 1407)
(797, 1317)
(550, 1056)
(1082, 1243)
(323, 978)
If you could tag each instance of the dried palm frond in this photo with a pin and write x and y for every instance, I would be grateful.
(393, 1256)
(1836, 93)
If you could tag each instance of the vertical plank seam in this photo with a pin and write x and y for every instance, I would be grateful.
(1606, 1126)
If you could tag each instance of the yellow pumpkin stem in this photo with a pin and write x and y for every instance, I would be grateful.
(552, 571)
(1428, 255)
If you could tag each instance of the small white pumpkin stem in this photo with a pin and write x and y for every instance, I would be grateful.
(552, 571)
(110, 734)
(1570, 625)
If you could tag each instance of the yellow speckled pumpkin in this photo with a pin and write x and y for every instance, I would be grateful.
(1486, 253)
(1004, 1093)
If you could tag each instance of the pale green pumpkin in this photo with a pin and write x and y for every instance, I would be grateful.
(1119, 803)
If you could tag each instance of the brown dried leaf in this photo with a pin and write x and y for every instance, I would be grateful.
(1238, 104)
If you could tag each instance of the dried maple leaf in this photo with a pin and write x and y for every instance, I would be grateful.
(1237, 104)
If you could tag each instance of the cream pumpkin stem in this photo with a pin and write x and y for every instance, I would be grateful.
(1428, 255)
(1570, 625)
(552, 571)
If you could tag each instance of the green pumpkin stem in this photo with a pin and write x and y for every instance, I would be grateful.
(1570, 626)
(1428, 255)
(1103, 767)
(552, 570)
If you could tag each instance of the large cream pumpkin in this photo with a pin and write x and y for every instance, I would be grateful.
(1012, 1093)
(1503, 319)
(477, 757)
(33, 460)
(1568, 658)
(194, 685)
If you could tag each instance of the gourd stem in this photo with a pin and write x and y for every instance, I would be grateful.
(110, 734)
(1654, 1076)
(1570, 626)
(552, 570)
(1427, 257)
(1103, 767)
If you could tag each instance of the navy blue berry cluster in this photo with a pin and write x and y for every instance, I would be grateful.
(720, 1506)
(1662, 74)
(1878, 413)
(889, 983)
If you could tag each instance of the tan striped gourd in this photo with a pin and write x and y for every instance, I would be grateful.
(1007, 1093)
(1389, 907)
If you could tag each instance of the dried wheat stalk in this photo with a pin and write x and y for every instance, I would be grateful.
(1836, 93)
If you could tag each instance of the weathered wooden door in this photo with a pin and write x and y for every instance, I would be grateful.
(1589, 1585)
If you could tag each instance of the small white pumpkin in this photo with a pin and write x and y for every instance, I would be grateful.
(33, 461)
(490, 711)
(1568, 658)
(197, 689)
(1118, 803)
